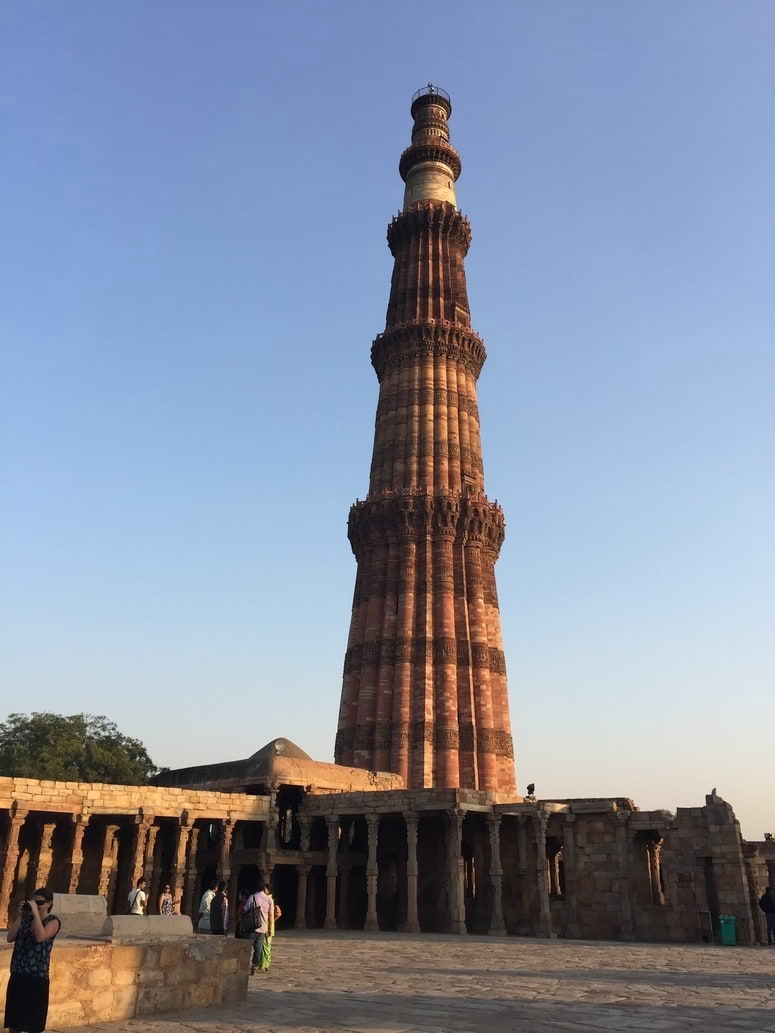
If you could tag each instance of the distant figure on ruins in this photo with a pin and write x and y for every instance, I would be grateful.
(767, 904)
(219, 911)
(32, 936)
(257, 920)
(203, 925)
(137, 901)
(166, 902)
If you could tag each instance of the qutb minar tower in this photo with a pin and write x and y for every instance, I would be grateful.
(424, 690)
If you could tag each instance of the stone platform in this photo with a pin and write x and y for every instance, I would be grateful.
(97, 980)
(383, 983)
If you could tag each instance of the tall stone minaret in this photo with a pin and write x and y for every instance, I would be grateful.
(424, 690)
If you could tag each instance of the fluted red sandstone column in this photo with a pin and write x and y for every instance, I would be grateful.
(424, 690)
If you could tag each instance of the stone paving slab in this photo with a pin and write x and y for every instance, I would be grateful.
(384, 983)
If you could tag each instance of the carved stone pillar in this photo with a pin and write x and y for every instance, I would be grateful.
(621, 819)
(80, 823)
(143, 823)
(569, 858)
(189, 901)
(10, 858)
(332, 824)
(497, 925)
(45, 856)
(224, 859)
(412, 920)
(151, 870)
(269, 831)
(109, 851)
(113, 904)
(301, 897)
(456, 873)
(542, 876)
(104, 865)
(233, 891)
(372, 874)
(555, 887)
(654, 854)
(179, 861)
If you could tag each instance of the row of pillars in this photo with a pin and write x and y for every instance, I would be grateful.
(455, 871)
(184, 873)
(182, 876)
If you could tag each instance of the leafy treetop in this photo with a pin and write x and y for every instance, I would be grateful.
(78, 748)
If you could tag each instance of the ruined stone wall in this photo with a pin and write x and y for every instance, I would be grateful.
(650, 875)
(98, 798)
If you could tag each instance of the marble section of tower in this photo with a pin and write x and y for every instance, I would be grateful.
(424, 691)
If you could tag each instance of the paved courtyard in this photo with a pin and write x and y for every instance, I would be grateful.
(381, 983)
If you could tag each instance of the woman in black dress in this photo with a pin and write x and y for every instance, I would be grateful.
(32, 936)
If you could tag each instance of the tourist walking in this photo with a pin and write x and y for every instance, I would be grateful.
(203, 925)
(219, 911)
(137, 901)
(259, 912)
(767, 904)
(32, 936)
(266, 947)
(166, 902)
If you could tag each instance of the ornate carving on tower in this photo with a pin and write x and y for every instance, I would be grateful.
(424, 691)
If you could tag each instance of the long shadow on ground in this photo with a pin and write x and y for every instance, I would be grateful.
(364, 1012)
(628, 976)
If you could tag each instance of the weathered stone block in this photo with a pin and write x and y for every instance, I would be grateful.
(150, 975)
(126, 957)
(100, 977)
(158, 999)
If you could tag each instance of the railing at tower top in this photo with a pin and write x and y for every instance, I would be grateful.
(432, 91)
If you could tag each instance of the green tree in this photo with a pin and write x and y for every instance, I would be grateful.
(78, 748)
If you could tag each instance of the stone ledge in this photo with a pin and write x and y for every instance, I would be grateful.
(108, 981)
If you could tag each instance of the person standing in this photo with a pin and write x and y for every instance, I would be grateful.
(203, 925)
(219, 911)
(767, 904)
(266, 947)
(259, 911)
(166, 902)
(32, 936)
(137, 901)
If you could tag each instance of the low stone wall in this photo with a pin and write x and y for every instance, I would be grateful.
(102, 982)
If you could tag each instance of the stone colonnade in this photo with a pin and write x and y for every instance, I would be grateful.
(354, 842)
(432, 860)
(96, 839)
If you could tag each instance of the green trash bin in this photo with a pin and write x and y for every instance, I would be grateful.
(727, 924)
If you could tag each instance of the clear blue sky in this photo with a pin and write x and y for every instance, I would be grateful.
(194, 266)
